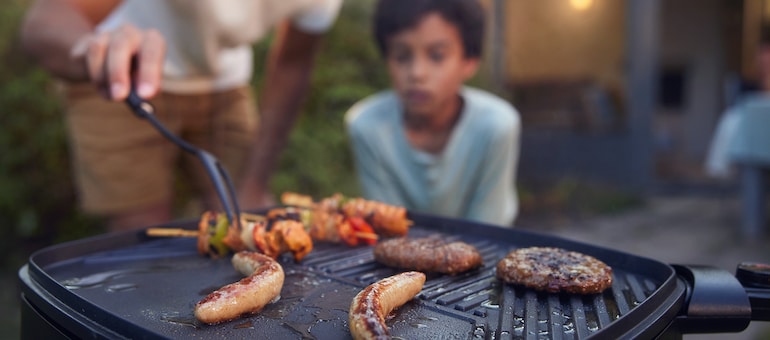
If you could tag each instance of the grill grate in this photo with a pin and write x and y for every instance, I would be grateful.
(504, 310)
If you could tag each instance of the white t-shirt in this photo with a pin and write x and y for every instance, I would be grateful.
(209, 41)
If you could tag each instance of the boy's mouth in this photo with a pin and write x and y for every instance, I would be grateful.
(417, 96)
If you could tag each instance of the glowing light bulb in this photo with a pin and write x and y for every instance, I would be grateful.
(581, 5)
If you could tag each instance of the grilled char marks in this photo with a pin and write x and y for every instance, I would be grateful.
(555, 270)
(428, 254)
(249, 295)
(372, 305)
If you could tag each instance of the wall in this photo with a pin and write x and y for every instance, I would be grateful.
(553, 54)
(548, 39)
(691, 39)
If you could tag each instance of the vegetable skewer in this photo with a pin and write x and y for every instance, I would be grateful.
(294, 228)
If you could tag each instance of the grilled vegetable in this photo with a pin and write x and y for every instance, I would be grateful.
(353, 221)
(383, 219)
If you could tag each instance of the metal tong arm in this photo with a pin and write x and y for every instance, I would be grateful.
(218, 174)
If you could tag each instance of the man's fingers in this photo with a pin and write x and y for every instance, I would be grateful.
(124, 44)
(95, 53)
(115, 59)
(150, 64)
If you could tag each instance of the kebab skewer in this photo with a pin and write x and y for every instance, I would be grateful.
(384, 219)
(295, 227)
(216, 237)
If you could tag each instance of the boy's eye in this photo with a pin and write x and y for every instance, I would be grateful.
(437, 56)
(402, 56)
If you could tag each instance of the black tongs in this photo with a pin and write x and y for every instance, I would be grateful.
(217, 173)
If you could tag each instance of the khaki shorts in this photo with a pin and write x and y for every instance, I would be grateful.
(122, 163)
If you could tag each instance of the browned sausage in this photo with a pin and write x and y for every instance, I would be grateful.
(249, 295)
(371, 305)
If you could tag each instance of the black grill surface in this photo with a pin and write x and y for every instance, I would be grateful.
(127, 285)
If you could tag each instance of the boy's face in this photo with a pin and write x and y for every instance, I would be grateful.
(427, 65)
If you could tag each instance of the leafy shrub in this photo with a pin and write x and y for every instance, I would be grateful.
(317, 160)
(36, 193)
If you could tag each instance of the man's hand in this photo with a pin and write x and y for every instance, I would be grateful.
(61, 36)
(114, 59)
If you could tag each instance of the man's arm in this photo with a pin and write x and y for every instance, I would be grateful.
(287, 79)
(60, 35)
(52, 28)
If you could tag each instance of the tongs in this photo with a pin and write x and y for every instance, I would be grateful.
(218, 174)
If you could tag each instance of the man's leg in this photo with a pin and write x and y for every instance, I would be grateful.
(139, 218)
(226, 131)
(123, 167)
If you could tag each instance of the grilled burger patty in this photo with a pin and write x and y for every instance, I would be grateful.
(555, 270)
(428, 254)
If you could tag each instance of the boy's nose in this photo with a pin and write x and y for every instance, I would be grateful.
(418, 68)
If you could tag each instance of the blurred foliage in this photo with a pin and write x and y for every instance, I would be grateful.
(36, 194)
(570, 199)
(317, 160)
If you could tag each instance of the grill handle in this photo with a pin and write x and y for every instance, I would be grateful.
(715, 301)
(756, 278)
(760, 303)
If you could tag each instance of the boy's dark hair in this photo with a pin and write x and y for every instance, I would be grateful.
(394, 16)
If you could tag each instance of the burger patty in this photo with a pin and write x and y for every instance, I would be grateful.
(428, 254)
(555, 270)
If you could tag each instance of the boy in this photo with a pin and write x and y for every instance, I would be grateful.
(432, 144)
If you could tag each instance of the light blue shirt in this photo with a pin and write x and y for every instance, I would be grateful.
(472, 178)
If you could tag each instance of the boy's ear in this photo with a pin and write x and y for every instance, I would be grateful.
(469, 68)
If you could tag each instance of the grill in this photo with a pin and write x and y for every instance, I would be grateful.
(130, 286)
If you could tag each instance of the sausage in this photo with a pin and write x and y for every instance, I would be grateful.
(371, 305)
(249, 295)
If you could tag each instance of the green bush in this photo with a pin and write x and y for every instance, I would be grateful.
(36, 193)
(317, 160)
